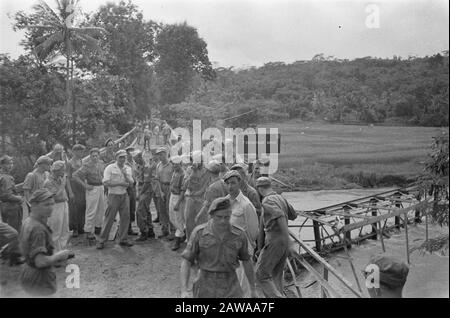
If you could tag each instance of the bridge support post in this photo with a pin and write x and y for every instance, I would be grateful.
(317, 238)
(347, 234)
(374, 210)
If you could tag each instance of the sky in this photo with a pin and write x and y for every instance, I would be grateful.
(244, 33)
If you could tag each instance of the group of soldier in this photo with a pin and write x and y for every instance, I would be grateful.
(234, 223)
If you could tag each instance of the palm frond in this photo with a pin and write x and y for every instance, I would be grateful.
(47, 12)
(49, 44)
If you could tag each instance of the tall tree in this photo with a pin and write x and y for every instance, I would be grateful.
(51, 33)
(127, 51)
(181, 55)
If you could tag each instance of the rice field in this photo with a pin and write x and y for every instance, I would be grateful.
(328, 156)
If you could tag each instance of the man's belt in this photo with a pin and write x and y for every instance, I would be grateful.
(222, 275)
(95, 184)
(165, 183)
(175, 192)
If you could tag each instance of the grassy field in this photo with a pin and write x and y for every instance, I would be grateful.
(327, 156)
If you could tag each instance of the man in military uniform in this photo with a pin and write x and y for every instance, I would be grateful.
(147, 185)
(176, 206)
(216, 189)
(38, 277)
(194, 186)
(35, 179)
(77, 206)
(273, 241)
(10, 202)
(9, 236)
(164, 171)
(217, 247)
(131, 189)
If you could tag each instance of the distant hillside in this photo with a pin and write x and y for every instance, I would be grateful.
(411, 91)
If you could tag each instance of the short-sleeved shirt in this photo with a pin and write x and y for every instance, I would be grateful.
(243, 215)
(114, 173)
(92, 172)
(196, 181)
(253, 196)
(35, 181)
(164, 172)
(274, 207)
(35, 238)
(176, 182)
(213, 254)
(7, 188)
(58, 188)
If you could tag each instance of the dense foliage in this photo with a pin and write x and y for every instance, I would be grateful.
(365, 90)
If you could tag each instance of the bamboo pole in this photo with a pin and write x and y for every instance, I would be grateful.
(405, 222)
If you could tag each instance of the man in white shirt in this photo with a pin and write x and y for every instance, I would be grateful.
(117, 178)
(243, 215)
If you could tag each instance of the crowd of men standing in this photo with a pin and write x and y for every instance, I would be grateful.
(229, 226)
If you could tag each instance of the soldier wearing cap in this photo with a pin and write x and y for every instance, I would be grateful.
(273, 241)
(217, 247)
(90, 177)
(77, 206)
(117, 177)
(176, 203)
(36, 243)
(10, 201)
(216, 189)
(164, 172)
(131, 189)
(147, 137)
(197, 179)
(35, 179)
(248, 190)
(391, 275)
(59, 220)
(147, 188)
(243, 215)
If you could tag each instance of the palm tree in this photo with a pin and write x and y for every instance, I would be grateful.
(59, 36)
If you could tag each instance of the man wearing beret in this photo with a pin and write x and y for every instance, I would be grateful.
(248, 190)
(90, 177)
(59, 220)
(273, 241)
(243, 215)
(117, 178)
(77, 206)
(164, 171)
(36, 243)
(216, 189)
(216, 247)
(10, 202)
(35, 179)
(391, 274)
